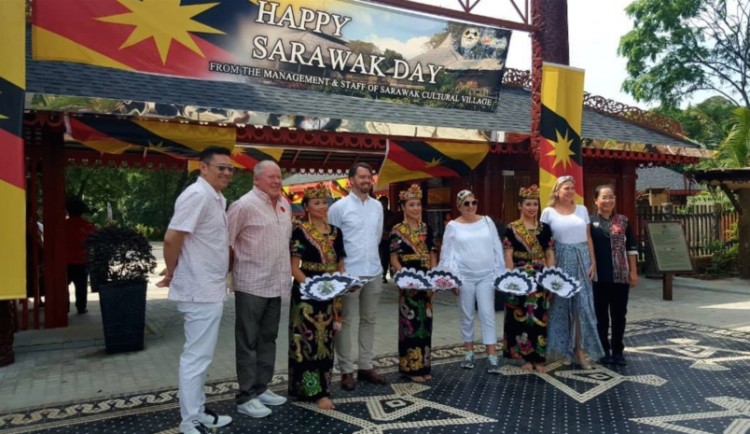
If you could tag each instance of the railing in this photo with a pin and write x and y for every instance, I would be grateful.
(708, 227)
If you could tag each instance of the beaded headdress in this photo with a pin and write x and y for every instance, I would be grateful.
(529, 193)
(318, 191)
(413, 192)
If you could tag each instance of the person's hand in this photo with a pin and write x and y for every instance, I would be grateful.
(633, 278)
(456, 291)
(592, 271)
(164, 283)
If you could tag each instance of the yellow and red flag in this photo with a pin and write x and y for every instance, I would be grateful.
(12, 178)
(418, 159)
(560, 128)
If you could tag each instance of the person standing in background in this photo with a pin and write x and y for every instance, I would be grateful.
(77, 230)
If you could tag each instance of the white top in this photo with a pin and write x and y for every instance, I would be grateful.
(361, 223)
(201, 272)
(472, 250)
(259, 234)
(567, 229)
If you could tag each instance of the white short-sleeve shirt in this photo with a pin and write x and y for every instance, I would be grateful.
(567, 229)
(201, 272)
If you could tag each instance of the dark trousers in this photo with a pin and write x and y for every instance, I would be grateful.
(256, 327)
(611, 304)
(79, 275)
(384, 249)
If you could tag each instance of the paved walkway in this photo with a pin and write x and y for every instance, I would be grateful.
(55, 366)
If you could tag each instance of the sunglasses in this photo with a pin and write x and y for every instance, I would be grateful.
(223, 168)
(471, 202)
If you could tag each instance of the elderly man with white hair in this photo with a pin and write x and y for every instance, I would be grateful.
(260, 227)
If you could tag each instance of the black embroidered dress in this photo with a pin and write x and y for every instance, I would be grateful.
(413, 248)
(311, 323)
(525, 326)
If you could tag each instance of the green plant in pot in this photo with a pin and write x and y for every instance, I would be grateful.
(120, 260)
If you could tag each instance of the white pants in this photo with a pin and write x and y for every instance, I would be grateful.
(479, 292)
(201, 333)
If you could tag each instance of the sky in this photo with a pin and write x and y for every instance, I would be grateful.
(594, 31)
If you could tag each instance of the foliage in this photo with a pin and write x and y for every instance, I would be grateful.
(725, 257)
(678, 47)
(139, 198)
(707, 122)
(118, 254)
(734, 151)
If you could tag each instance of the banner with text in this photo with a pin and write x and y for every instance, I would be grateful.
(332, 46)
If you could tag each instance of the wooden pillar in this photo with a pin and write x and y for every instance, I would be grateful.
(7, 356)
(53, 218)
(626, 193)
(554, 34)
(743, 228)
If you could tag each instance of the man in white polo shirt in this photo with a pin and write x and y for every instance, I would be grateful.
(196, 251)
(360, 218)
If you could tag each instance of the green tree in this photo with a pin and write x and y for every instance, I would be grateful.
(678, 47)
(707, 122)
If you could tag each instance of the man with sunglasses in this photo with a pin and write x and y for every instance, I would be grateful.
(260, 229)
(196, 252)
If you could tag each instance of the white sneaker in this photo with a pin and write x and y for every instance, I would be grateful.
(210, 419)
(254, 408)
(198, 428)
(270, 398)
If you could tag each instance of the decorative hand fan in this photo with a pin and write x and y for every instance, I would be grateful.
(515, 282)
(327, 286)
(558, 282)
(409, 278)
(441, 280)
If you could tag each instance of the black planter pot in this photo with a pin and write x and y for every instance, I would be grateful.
(123, 306)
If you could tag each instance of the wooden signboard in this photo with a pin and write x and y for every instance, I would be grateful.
(670, 251)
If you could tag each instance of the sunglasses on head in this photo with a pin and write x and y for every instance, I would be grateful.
(471, 202)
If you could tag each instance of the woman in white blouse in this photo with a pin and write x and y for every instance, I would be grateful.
(571, 330)
(472, 250)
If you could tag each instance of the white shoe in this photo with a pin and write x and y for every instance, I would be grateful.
(270, 398)
(198, 428)
(212, 420)
(254, 408)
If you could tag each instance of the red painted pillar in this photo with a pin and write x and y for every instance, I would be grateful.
(53, 218)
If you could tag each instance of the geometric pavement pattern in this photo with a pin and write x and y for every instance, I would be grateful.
(680, 378)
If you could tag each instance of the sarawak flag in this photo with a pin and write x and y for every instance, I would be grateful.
(171, 37)
(182, 141)
(12, 178)
(560, 128)
(407, 160)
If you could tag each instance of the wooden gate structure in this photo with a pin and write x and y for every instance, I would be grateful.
(616, 138)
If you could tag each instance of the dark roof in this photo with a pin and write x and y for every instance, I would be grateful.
(661, 177)
(70, 79)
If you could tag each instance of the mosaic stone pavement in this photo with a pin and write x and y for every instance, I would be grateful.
(681, 378)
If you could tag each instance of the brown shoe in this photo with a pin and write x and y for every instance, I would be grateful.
(371, 376)
(348, 382)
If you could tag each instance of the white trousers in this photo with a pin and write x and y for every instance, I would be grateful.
(201, 333)
(479, 293)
